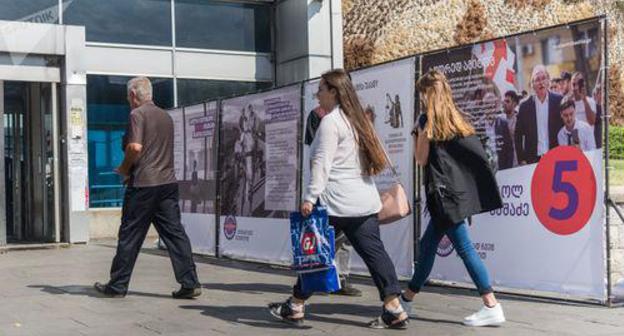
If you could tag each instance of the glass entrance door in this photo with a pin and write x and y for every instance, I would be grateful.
(29, 157)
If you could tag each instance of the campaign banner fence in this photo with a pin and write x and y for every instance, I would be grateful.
(177, 115)
(310, 106)
(194, 160)
(259, 156)
(536, 102)
(387, 96)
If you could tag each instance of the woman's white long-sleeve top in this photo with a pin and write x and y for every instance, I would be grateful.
(336, 175)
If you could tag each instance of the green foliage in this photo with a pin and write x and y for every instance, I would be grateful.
(616, 142)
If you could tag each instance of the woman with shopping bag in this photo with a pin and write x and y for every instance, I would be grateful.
(345, 155)
(459, 182)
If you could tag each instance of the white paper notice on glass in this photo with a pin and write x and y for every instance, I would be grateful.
(76, 119)
(78, 188)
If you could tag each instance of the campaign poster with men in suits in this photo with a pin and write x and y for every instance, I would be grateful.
(536, 102)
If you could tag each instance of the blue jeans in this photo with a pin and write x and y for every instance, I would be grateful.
(458, 234)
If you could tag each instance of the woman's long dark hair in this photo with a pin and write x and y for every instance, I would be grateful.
(369, 145)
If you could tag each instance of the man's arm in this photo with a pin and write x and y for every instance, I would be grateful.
(519, 137)
(590, 112)
(506, 152)
(132, 153)
(134, 147)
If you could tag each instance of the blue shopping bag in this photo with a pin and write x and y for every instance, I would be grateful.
(312, 240)
(325, 280)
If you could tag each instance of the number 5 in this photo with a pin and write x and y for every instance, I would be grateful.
(566, 188)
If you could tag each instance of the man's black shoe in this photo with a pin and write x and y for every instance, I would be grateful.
(347, 290)
(106, 291)
(186, 293)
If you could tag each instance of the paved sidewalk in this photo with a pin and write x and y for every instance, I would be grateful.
(48, 292)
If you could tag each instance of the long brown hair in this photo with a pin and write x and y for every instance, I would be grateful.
(372, 150)
(444, 120)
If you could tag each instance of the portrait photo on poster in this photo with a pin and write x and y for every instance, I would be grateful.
(528, 94)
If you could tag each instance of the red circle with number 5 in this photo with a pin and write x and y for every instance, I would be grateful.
(563, 190)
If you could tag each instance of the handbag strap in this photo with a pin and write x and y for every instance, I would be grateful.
(388, 160)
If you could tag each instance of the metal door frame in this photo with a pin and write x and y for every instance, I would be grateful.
(41, 75)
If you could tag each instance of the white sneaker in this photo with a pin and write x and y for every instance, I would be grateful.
(486, 317)
(407, 307)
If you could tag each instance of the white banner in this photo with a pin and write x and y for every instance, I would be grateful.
(309, 104)
(387, 91)
(525, 249)
(178, 141)
(194, 169)
(201, 230)
(257, 239)
(259, 183)
(387, 94)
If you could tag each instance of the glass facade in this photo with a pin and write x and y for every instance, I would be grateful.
(146, 22)
(200, 24)
(38, 11)
(222, 25)
(107, 115)
(191, 91)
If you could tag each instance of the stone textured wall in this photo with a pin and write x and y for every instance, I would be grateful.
(380, 30)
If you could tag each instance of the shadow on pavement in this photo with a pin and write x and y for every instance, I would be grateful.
(89, 291)
(259, 267)
(444, 290)
(248, 315)
(260, 317)
(436, 321)
(249, 288)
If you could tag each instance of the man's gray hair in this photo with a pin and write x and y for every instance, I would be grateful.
(142, 88)
(537, 69)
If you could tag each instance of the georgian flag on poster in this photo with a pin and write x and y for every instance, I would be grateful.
(498, 63)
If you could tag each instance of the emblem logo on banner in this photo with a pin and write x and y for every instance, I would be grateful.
(445, 247)
(229, 227)
(563, 190)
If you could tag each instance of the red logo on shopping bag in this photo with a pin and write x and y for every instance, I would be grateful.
(308, 243)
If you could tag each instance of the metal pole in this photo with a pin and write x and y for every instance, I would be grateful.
(3, 136)
(416, 170)
(605, 113)
(205, 157)
(218, 164)
(331, 32)
(300, 145)
(184, 151)
(173, 54)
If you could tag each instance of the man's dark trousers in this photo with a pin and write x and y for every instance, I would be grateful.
(158, 205)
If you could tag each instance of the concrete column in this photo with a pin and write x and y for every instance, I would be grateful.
(308, 39)
(74, 138)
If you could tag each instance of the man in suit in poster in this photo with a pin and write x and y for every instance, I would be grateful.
(538, 119)
(497, 131)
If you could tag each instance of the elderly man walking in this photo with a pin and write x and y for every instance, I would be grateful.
(151, 196)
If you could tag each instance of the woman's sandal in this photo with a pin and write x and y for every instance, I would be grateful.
(389, 320)
(284, 312)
